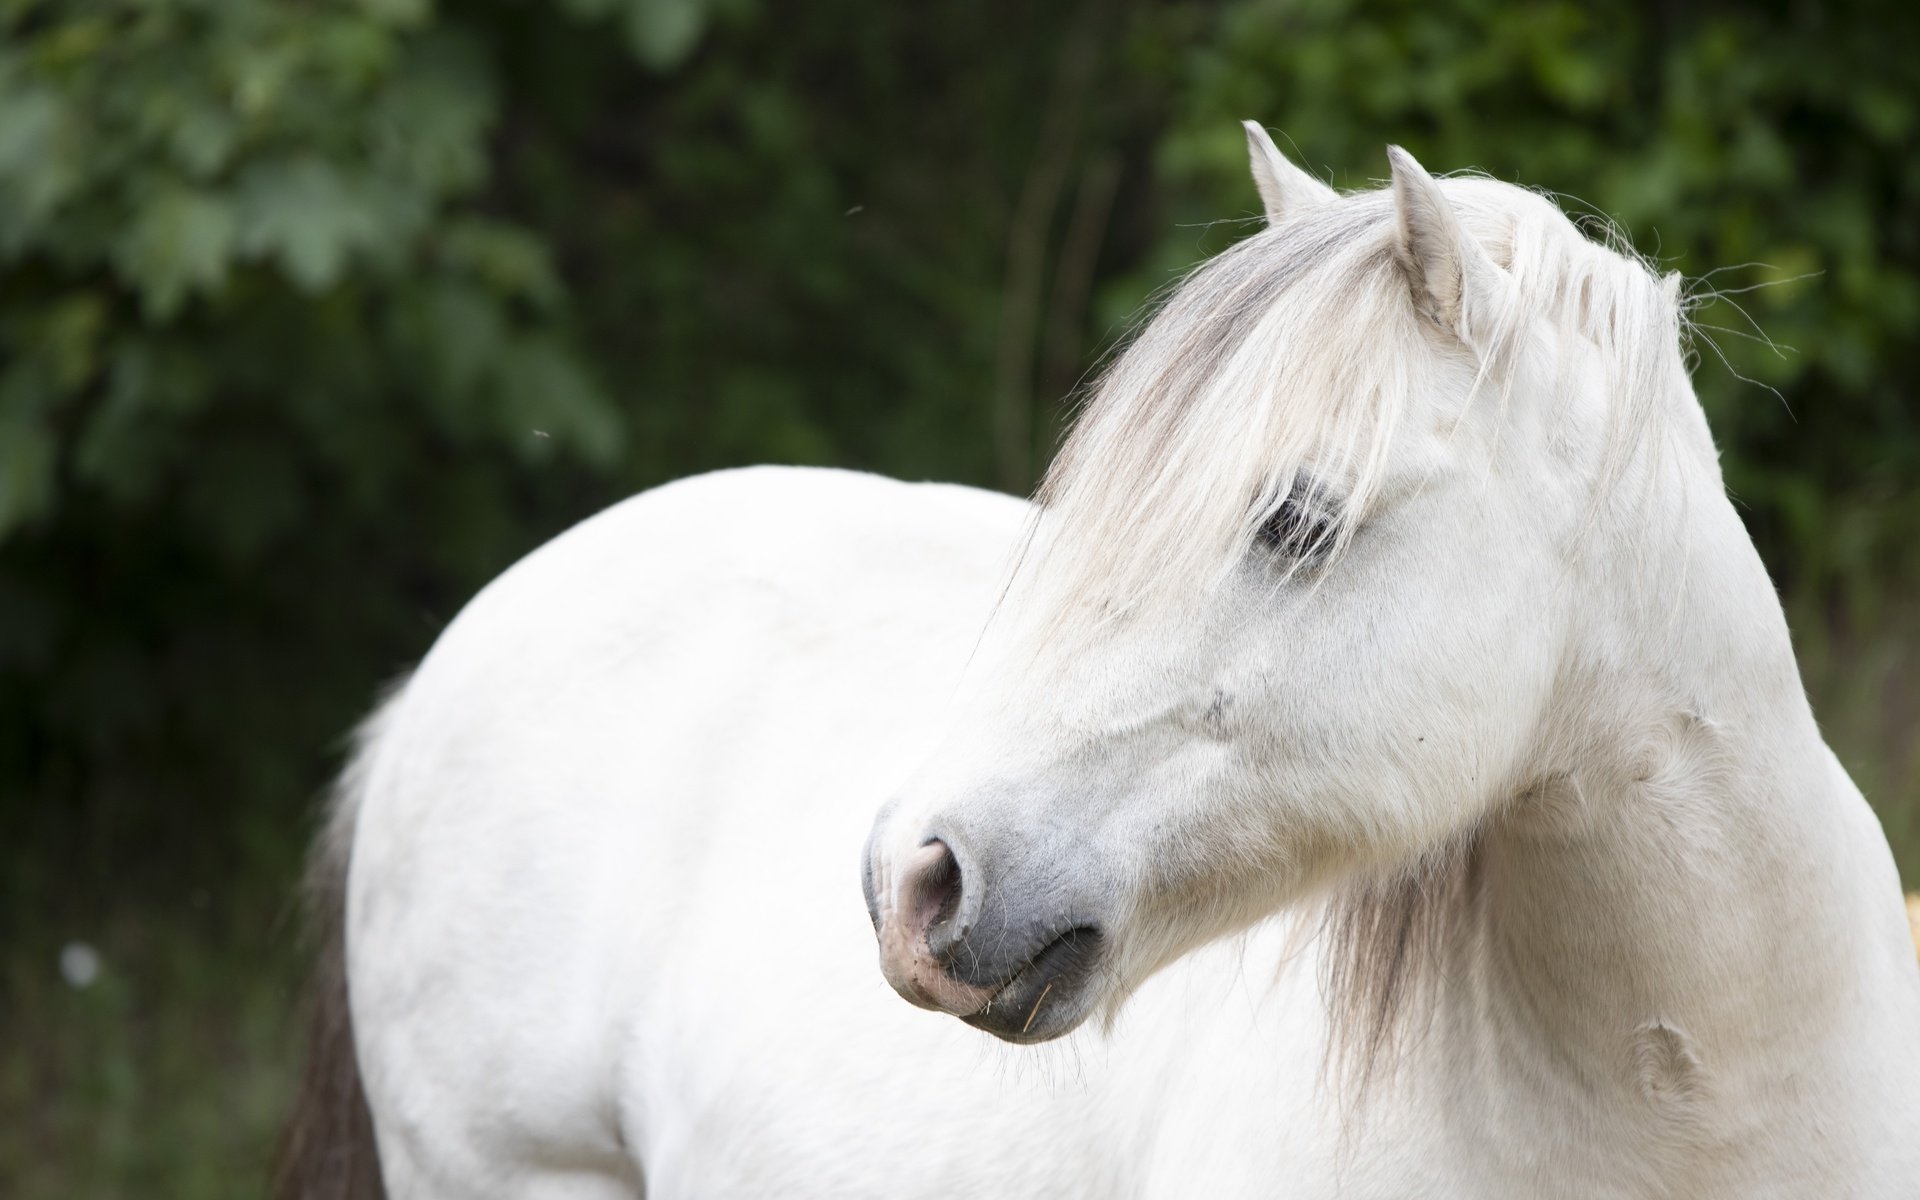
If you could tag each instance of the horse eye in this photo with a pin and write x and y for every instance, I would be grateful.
(1298, 528)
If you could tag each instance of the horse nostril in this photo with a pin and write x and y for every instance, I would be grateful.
(930, 887)
(930, 905)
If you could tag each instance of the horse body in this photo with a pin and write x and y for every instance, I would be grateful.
(633, 770)
(1385, 778)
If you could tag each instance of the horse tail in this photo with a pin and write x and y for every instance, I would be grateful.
(327, 1149)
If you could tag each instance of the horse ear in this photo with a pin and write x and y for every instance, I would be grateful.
(1284, 188)
(1453, 280)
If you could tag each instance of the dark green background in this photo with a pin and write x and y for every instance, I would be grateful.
(315, 316)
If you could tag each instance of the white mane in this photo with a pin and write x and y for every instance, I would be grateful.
(1298, 351)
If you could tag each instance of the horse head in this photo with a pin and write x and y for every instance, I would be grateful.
(1306, 594)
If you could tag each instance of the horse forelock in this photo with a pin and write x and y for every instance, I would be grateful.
(1297, 353)
(1216, 406)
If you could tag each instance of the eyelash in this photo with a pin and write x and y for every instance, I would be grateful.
(1297, 528)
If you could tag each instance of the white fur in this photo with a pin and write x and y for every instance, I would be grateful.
(605, 920)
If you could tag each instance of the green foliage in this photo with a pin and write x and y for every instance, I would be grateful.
(190, 192)
(166, 1076)
(259, 333)
(314, 316)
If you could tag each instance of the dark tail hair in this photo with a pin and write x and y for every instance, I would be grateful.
(327, 1150)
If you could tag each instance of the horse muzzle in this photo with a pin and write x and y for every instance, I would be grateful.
(952, 942)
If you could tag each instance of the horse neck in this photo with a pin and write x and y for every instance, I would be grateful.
(1692, 905)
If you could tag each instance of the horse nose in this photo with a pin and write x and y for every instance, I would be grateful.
(921, 928)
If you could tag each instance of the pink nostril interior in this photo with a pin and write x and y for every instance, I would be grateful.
(929, 886)
(929, 892)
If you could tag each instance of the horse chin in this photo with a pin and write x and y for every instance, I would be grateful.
(1050, 996)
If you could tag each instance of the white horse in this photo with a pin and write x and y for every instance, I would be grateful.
(1383, 773)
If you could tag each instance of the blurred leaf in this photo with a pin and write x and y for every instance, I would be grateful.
(35, 176)
(510, 261)
(664, 32)
(548, 395)
(405, 14)
(27, 449)
(180, 241)
(309, 216)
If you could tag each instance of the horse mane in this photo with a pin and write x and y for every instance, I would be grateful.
(1298, 353)
(1384, 939)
